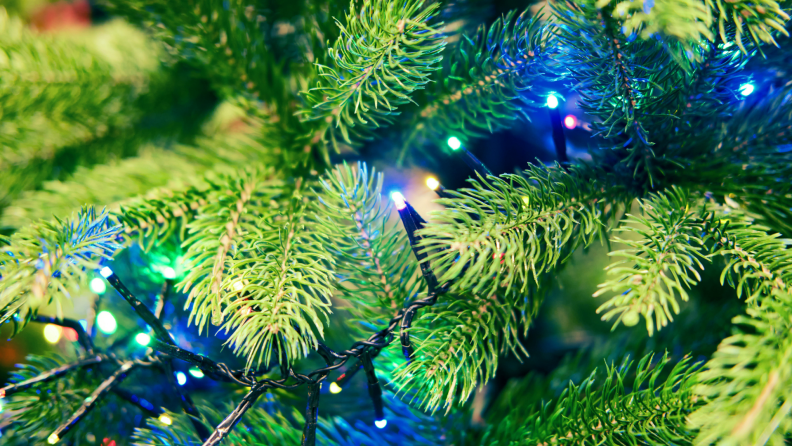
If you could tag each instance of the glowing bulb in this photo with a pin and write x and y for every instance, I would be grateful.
(98, 285)
(106, 272)
(398, 198)
(70, 334)
(454, 143)
(106, 322)
(552, 101)
(746, 89)
(2, 393)
(168, 272)
(52, 439)
(335, 388)
(52, 333)
(570, 122)
(432, 183)
(1, 406)
(381, 423)
(238, 285)
(164, 419)
(196, 372)
(142, 339)
(181, 378)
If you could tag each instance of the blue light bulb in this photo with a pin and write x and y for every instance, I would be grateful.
(746, 89)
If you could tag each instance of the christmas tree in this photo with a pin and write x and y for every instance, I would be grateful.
(193, 212)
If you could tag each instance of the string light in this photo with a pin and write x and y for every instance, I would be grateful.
(52, 439)
(98, 285)
(52, 333)
(106, 322)
(164, 419)
(238, 285)
(70, 334)
(181, 378)
(454, 143)
(196, 372)
(106, 272)
(398, 198)
(381, 423)
(335, 388)
(432, 183)
(570, 122)
(552, 101)
(143, 339)
(168, 272)
(746, 89)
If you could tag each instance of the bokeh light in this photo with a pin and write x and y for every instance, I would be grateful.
(106, 322)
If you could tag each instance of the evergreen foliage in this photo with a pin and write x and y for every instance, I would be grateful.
(237, 227)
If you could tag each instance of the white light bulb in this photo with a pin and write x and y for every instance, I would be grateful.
(181, 378)
(552, 101)
(98, 285)
(335, 388)
(143, 339)
(398, 198)
(454, 143)
(381, 423)
(746, 89)
(106, 272)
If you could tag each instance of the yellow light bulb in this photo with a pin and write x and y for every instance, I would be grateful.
(52, 439)
(52, 333)
(164, 419)
(335, 388)
(432, 183)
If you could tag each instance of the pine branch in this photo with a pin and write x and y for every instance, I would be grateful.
(385, 52)
(46, 262)
(650, 409)
(378, 273)
(230, 212)
(659, 266)
(487, 81)
(625, 84)
(747, 400)
(507, 231)
(458, 343)
(64, 90)
(279, 285)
